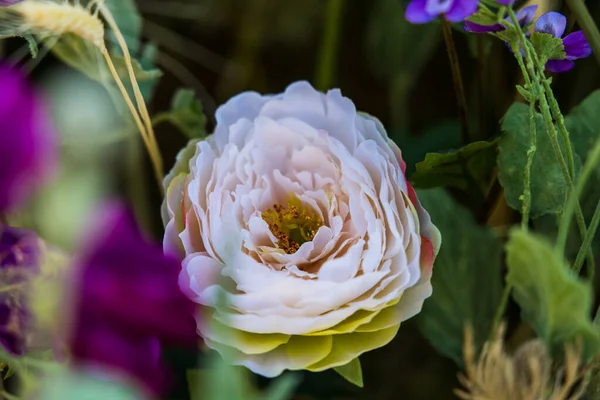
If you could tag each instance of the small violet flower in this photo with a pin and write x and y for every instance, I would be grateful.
(576, 45)
(524, 16)
(27, 148)
(19, 261)
(423, 11)
(128, 300)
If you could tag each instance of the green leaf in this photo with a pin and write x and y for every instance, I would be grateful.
(187, 114)
(128, 20)
(87, 59)
(553, 299)
(71, 385)
(471, 166)
(147, 63)
(282, 388)
(482, 18)
(33, 47)
(441, 137)
(467, 281)
(548, 185)
(548, 47)
(352, 372)
(508, 36)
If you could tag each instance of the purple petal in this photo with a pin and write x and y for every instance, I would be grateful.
(559, 65)
(6, 3)
(553, 23)
(18, 248)
(526, 15)
(462, 9)
(506, 2)
(128, 297)
(576, 46)
(27, 148)
(19, 261)
(132, 357)
(476, 28)
(416, 12)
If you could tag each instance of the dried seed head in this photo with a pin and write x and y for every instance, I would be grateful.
(46, 17)
(526, 375)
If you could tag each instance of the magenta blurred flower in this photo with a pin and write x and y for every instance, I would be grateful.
(576, 45)
(423, 11)
(128, 299)
(5, 3)
(524, 16)
(27, 147)
(19, 261)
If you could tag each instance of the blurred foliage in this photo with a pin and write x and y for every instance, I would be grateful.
(552, 298)
(467, 277)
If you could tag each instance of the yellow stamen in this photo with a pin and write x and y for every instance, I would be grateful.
(293, 225)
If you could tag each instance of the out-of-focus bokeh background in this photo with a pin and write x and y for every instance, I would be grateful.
(391, 69)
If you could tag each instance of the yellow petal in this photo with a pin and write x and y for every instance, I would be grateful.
(353, 322)
(246, 342)
(349, 346)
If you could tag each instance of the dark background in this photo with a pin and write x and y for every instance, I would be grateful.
(391, 69)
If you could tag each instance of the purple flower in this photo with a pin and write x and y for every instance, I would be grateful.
(576, 45)
(524, 16)
(26, 139)
(6, 3)
(128, 299)
(423, 11)
(19, 260)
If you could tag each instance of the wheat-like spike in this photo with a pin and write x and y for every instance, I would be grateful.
(46, 17)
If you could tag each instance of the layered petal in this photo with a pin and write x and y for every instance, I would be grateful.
(306, 252)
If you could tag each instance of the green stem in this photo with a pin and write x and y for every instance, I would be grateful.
(537, 75)
(459, 89)
(329, 45)
(560, 121)
(589, 27)
(500, 311)
(530, 156)
(587, 241)
(565, 222)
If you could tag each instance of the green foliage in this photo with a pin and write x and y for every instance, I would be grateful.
(583, 124)
(86, 58)
(352, 372)
(223, 381)
(548, 185)
(509, 36)
(552, 298)
(186, 114)
(441, 137)
(482, 18)
(548, 47)
(467, 168)
(128, 20)
(466, 282)
(70, 385)
(33, 47)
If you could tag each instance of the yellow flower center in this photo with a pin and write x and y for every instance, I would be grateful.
(293, 224)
